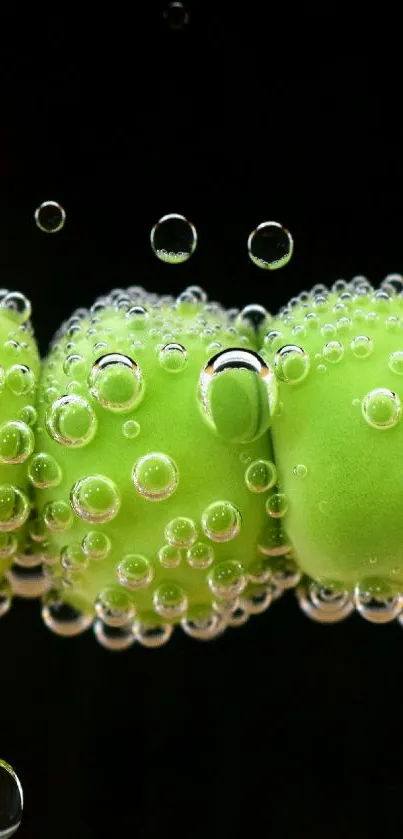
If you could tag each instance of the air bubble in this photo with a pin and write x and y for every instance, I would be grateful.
(96, 545)
(114, 606)
(291, 364)
(270, 245)
(221, 521)
(29, 415)
(325, 604)
(260, 476)
(170, 601)
(19, 304)
(17, 442)
(14, 508)
(173, 358)
(155, 476)
(200, 555)
(116, 382)
(74, 366)
(50, 217)
(152, 635)
(8, 545)
(95, 498)
(44, 471)
(11, 801)
(134, 572)
(375, 606)
(6, 595)
(203, 624)
(181, 532)
(277, 505)
(71, 421)
(58, 516)
(300, 470)
(138, 318)
(169, 556)
(252, 317)
(362, 346)
(62, 618)
(227, 580)
(73, 558)
(395, 362)
(173, 238)
(20, 380)
(176, 15)
(131, 429)
(333, 351)
(381, 408)
(114, 637)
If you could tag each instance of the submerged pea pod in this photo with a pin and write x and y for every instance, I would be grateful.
(152, 466)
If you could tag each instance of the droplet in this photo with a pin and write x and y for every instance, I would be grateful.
(260, 476)
(181, 532)
(375, 606)
(333, 351)
(73, 558)
(62, 618)
(11, 801)
(114, 637)
(325, 604)
(116, 382)
(95, 498)
(221, 521)
(170, 601)
(17, 442)
(173, 358)
(227, 579)
(29, 415)
(176, 15)
(50, 217)
(20, 379)
(381, 408)
(44, 471)
(277, 505)
(300, 470)
(96, 545)
(362, 346)
(114, 606)
(131, 429)
(6, 595)
(135, 571)
(270, 245)
(291, 364)
(155, 476)
(14, 508)
(58, 516)
(200, 555)
(169, 556)
(8, 545)
(173, 238)
(71, 421)
(152, 635)
(395, 363)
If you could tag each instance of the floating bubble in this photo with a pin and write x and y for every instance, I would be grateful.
(181, 532)
(260, 476)
(200, 555)
(29, 415)
(176, 16)
(155, 476)
(362, 346)
(44, 471)
(170, 601)
(277, 505)
(270, 245)
(173, 358)
(131, 429)
(95, 498)
(96, 545)
(221, 521)
(50, 217)
(173, 238)
(227, 579)
(11, 801)
(19, 304)
(71, 421)
(169, 556)
(14, 508)
(114, 606)
(135, 571)
(333, 351)
(381, 408)
(58, 516)
(116, 382)
(17, 442)
(396, 362)
(62, 618)
(73, 558)
(20, 379)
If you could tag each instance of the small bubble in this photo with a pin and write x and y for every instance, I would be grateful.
(173, 358)
(29, 415)
(8, 545)
(260, 475)
(11, 801)
(74, 366)
(153, 635)
(11, 348)
(135, 572)
(200, 555)
(19, 304)
(138, 318)
(181, 532)
(155, 476)
(20, 379)
(170, 601)
(72, 558)
(50, 217)
(44, 471)
(95, 499)
(176, 16)
(62, 618)
(14, 508)
(114, 606)
(221, 521)
(169, 556)
(131, 429)
(333, 351)
(291, 364)
(58, 516)
(252, 317)
(395, 363)
(270, 245)
(362, 346)
(277, 505)
(116, 382)
(300, 471)
(375, 605)
(227, 579)
(173, 238)
(381, 408)
(17, 442)
(71, 421)
(96, 545)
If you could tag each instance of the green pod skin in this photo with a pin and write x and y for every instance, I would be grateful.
(338, 438)
(147, 427)
(19, 375)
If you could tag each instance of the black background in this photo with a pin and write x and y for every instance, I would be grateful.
(248, 114)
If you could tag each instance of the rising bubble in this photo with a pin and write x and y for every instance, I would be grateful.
(173, 238)
(11, 801)
(50, 217)
(270, 245)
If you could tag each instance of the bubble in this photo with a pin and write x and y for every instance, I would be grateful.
(17, 442)
(135, 571)
(170, 601)
(155, 476)
(29, 415)
(5, 597)
(44, 471)
(169, 556)
(73, 558)
(181, 532)
(58, 516)
(173, 238)
(277, 505)
(395, 362)
(71, 421)
(257, 601)
(375, 606)
(176, 15)
(291, 364)
(74, 366)
(8, 545)
(227, 579)
(50, 217)
(300, 471)
(203, 624)
(95, 498)
(131, 429)
(173, 358)
(116, 382)
(96, 545)
(114, 606)
(114, 637)
(200, 555)
(61, 617)
(333, 351)
(20, 379)
(221, 521)
(11, 801)
(14, 508)
(138, 317)
(362, 346)
(260, 475)
(152, 635)
(19, 304)
(270, 245)
(381, 408)
(286, 573)
(252, 317)
(197, 292)
(325, 604)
